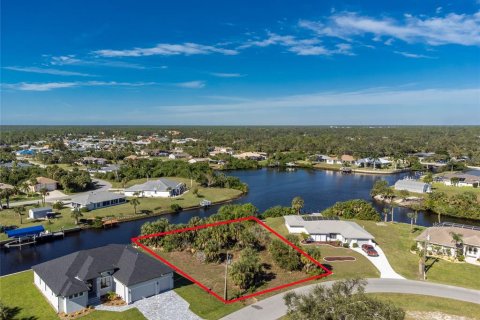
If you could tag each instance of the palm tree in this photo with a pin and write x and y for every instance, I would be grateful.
(297, 204)
(393, 205)
(386, 211)
(416, 207)
(25, 188)
(411, 215)
(19, 210)
(135, 202)
(76, 214)
(44, 193)
(457, 239)
(6, 193)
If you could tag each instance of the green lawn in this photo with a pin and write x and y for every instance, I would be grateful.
(413, 302)
(153, 205)
(396, 239)
(19, 293)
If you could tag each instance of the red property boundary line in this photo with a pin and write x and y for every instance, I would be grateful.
(136, 240)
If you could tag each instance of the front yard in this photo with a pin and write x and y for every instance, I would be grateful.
(21, 296)
(396, 239)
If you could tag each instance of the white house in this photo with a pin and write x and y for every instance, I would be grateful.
(96, 200)
(72, 282)
(322, 230)
(179, 155)
(39, 213)
(440, 240)
(413, 186)
(461, 180)
(44, 183)
(162, 188)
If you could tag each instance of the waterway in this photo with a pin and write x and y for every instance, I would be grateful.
(268, 187)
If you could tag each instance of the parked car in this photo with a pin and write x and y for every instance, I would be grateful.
(369, 250)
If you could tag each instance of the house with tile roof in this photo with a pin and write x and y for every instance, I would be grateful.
(162, 188)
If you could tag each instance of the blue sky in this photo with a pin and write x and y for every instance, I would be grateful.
(240, 62)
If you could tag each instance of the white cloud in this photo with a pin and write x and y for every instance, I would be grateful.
(48, 86)
(48, 71)
(227, 75)
(197, 84)
(461, 29)
(73, 60)
(413, 55)
(166, 49)
(302, 47)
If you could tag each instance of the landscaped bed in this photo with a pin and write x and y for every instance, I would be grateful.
(342, 258)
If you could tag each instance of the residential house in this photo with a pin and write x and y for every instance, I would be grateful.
(221, 150)
(347, 159)
(458, 179)
(413, 186)
(258, 156)
(96, 200)
(75, 281)
(15, 164)
(196, 160)
(324, 230)
(179, 155)
(374, 163)
(5, 186)
(44, 183)
(93, 160)
(162, 188)
(440, 241)
(106, 169)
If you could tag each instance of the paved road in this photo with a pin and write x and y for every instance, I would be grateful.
(101, 185)
(381, 263)
(274, 307)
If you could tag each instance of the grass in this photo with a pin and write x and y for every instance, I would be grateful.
(413, 302)
(18, 292)
(396, 239)
(153, 205)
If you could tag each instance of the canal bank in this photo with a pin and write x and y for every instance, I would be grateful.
(320, 189)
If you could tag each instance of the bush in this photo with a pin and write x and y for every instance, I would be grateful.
(110, 296)
(414, 247)
(346, 245)
(98, 222)
(84, 209)
(285, 256)
(176, 207)
(355, 245)
(461, 258)
(277, 211)
(352, 209)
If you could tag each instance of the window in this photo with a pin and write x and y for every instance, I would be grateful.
(333, 236)
(105, 282)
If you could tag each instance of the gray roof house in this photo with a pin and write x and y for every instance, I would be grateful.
(95, 200)
(72, 282)
(323, 230)
(413, 186)
(157, 188)
(38, 213)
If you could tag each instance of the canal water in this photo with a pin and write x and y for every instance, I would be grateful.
(268, 187)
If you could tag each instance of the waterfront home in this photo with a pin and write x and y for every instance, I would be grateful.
(5, 186)
(347, 159)
(72, 282)
(196, 160)
(44, 183)
(374, 163)
(39, 213)
(96, 200)
(15, 164)
(106, 169)
(323, 230)
(459, 179)
(162, 188)
(93, 160)
(413, 186)
(251, 156)
(220, 150)
(440, 241)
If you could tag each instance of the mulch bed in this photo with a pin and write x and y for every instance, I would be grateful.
(342, 258)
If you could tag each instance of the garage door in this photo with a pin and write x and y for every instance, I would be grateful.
(363, 241)
(143, 291)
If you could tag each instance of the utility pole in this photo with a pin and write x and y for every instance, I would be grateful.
(227, 261)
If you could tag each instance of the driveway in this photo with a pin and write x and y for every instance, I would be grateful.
(274, 307)
(381, 263)
(165, 306)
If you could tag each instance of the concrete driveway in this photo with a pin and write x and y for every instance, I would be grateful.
(165, 306)
(274, 307)
(381, 263)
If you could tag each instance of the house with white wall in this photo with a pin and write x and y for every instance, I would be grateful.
(160, 188)
(72, 282)
(321, 229)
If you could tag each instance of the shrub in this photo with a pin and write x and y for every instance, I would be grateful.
(84, 209)
(277, 211)
(461, 258)
(414, 247)
(346, 245)
(285, 256)
(355, 245)
(176, 207)
(352, 209)
(110, 296)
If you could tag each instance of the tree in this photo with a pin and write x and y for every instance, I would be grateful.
(246, 272)
(76, 214)
(44, 193)
(411, 215)
(297, 204)
(457, 239)
(386, 211)
(195, 191)
(379, 188)
(20, 211)
(59, 205)
(285, 256)
(135, 202)
(454, 181)
(404, 194)
(428, 178)
(416, 207)
(393, 205)
(352, 209)
(346, 299)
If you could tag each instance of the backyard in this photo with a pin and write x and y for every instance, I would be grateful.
(148, 205)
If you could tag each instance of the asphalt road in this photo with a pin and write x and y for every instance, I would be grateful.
(274, 307)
